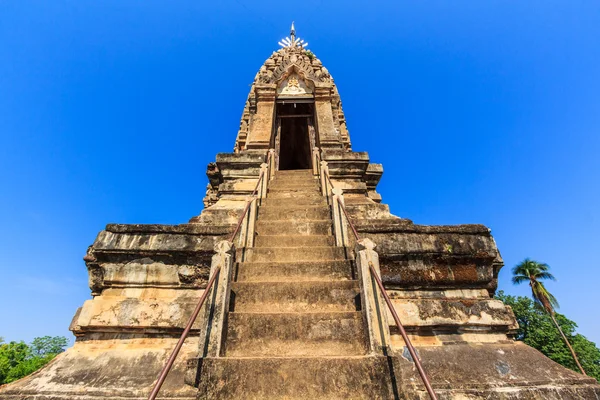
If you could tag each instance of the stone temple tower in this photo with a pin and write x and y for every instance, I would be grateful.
(292, 225)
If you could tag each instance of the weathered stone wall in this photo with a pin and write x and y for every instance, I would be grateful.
(510, 371)
(99, 366)
(145, 281)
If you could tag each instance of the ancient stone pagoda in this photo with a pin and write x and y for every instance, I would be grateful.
(294, 312)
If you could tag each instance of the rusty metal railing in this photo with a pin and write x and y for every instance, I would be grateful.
(411, 349)
(348, 219)
(171, 360)
(167, 368)
(388, 301)
(248, 202)
(328, 179)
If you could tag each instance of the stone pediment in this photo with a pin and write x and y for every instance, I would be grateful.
(294, 86)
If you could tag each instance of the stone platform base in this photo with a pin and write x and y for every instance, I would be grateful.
(117, 368)
(492, 372)
(124, 369)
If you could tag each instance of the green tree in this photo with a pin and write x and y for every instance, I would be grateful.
(18, 359)
(534, 272)
(45, 345)
(537, 330)
(11, 355)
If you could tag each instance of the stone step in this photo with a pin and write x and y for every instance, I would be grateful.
(296, 212)
(295, 334)
(293, 182)
(286, 378)
(308, 227)
(295, 178)
(293, 172)
(292, 194)
(288, 297)
(294, 240)
(291, 202)
(282, 254)
(294, 189)
(300, 181)
(296, 271)
(315, 378)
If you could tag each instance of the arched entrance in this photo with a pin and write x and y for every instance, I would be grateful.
(294, 128)
(294, 141)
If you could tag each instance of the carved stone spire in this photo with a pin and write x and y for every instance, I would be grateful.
(293, 33)
(292, 41)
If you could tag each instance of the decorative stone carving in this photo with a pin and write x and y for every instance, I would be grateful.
(293, 85)
(95, 278)
(190, 275)
(291, 58)
(278, 68)
(211, 197)
(213, 174)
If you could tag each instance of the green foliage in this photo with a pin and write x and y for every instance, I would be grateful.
(18, 359)
(534, 272)
(310, 54)
(42, 346)
(538, 331)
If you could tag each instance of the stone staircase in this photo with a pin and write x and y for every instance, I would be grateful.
(295, 327)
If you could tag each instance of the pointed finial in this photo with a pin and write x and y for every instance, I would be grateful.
(293, 41)
(293, 32)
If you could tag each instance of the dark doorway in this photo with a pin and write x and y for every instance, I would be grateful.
(294, 135)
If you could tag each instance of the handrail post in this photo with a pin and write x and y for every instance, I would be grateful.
(271, 162)
(340, 225)
(374, 306)
(324, 171)
(316, 161)
(211, 342)
(262, 189)
(213, 319)
(247, 229)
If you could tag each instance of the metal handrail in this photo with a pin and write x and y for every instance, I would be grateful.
(169, 364)
(388, 301)
(411, 349)
(329, 179)
(248, 202)
(167, 368)
(348, 219)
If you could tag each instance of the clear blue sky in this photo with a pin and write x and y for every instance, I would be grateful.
(481, 112)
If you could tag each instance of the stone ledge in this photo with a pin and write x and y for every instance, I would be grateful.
(168, 313)
(452, 313)
(491, 370)
(108, 369)
(402, 225)
(138, 242)
(438, 276)
(188, 229)
(147, 272)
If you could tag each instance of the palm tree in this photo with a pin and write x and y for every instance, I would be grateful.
(533, 272)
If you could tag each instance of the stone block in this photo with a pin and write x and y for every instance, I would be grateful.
(295, 334)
